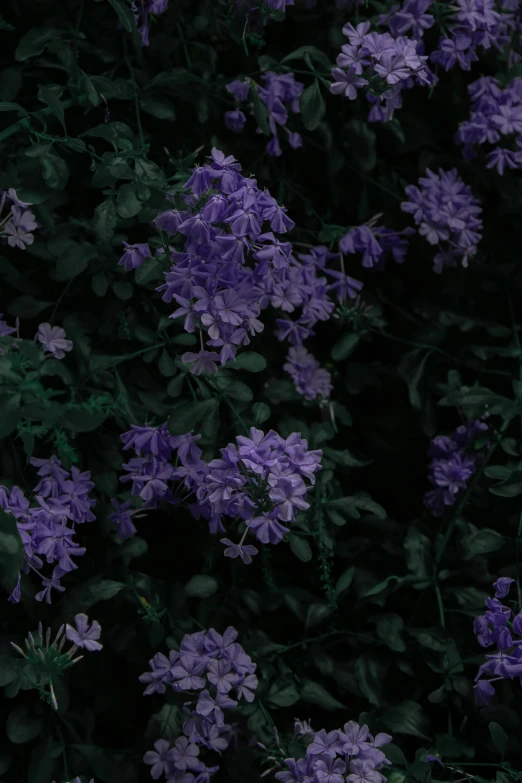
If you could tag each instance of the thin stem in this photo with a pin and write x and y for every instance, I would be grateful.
(58, 301)
(440, 604)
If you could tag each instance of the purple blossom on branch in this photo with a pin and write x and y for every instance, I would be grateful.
(447, 214)
(331, 755)
(386, 65)
(452, 465)
(47, 529)
(210, 668)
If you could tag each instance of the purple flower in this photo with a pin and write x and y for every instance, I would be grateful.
(235, 120)
(245, 552)
(134, 256)
(502, 586)
(184, 755)
(159, 759)
(363, 771)
(19, 228)
(83, 635)
(204, 361)
(53, 340)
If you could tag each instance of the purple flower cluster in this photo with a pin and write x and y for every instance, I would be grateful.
(347, 755)
(151, 471)
(375, 243)
(47, 529)
(19, 223)
(280, 95)
(452, 465)
(230, 268)
(382, 63)
(210, 281)
(141, 10)
(53, 340)
(215, 668)
(447, 214)
(409, 18)
(310, 380)
(475, 24)
(261, 480)
(495, 120)
(305, 288)
(498, 626)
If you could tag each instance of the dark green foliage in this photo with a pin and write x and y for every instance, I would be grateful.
(365, 611)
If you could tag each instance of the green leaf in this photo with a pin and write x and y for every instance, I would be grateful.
(418, 552)
(312, 106)
(162, 109)
(412, 369)
(128, 204)
(300, 547)
(238, 391)
(10, 414)
(260, 110)
(362, 140)
(27, 306)
(123, 290)
(166, 723)
(317, 612)
(47, 96)
(74, 261)
(261, 413)
(35, 41)
(187, 414)
(9, 669)
(200, 586)
(124, 15)
(105, 220)
(22, 725)
(7, 106)
(83, 421)
(11, 551)
(345, 458)
(499, 737)
(388, 582)
(313, 52)
(54, 171)
(81, 598)
(89, 89)
(369, 672)
(390, 628)
(345, 346)
(249, 361)
(150, 270)
(482, 542)
(313, 693)
(407, 718)
(510, 487)
(345, 580)
(282, 695)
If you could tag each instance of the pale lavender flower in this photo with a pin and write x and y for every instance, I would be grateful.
(53, 340)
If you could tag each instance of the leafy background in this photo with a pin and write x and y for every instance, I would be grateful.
(368, 609)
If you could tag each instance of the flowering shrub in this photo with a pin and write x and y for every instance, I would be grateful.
(261, 391)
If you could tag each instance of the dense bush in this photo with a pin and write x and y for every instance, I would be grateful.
(261, 390)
